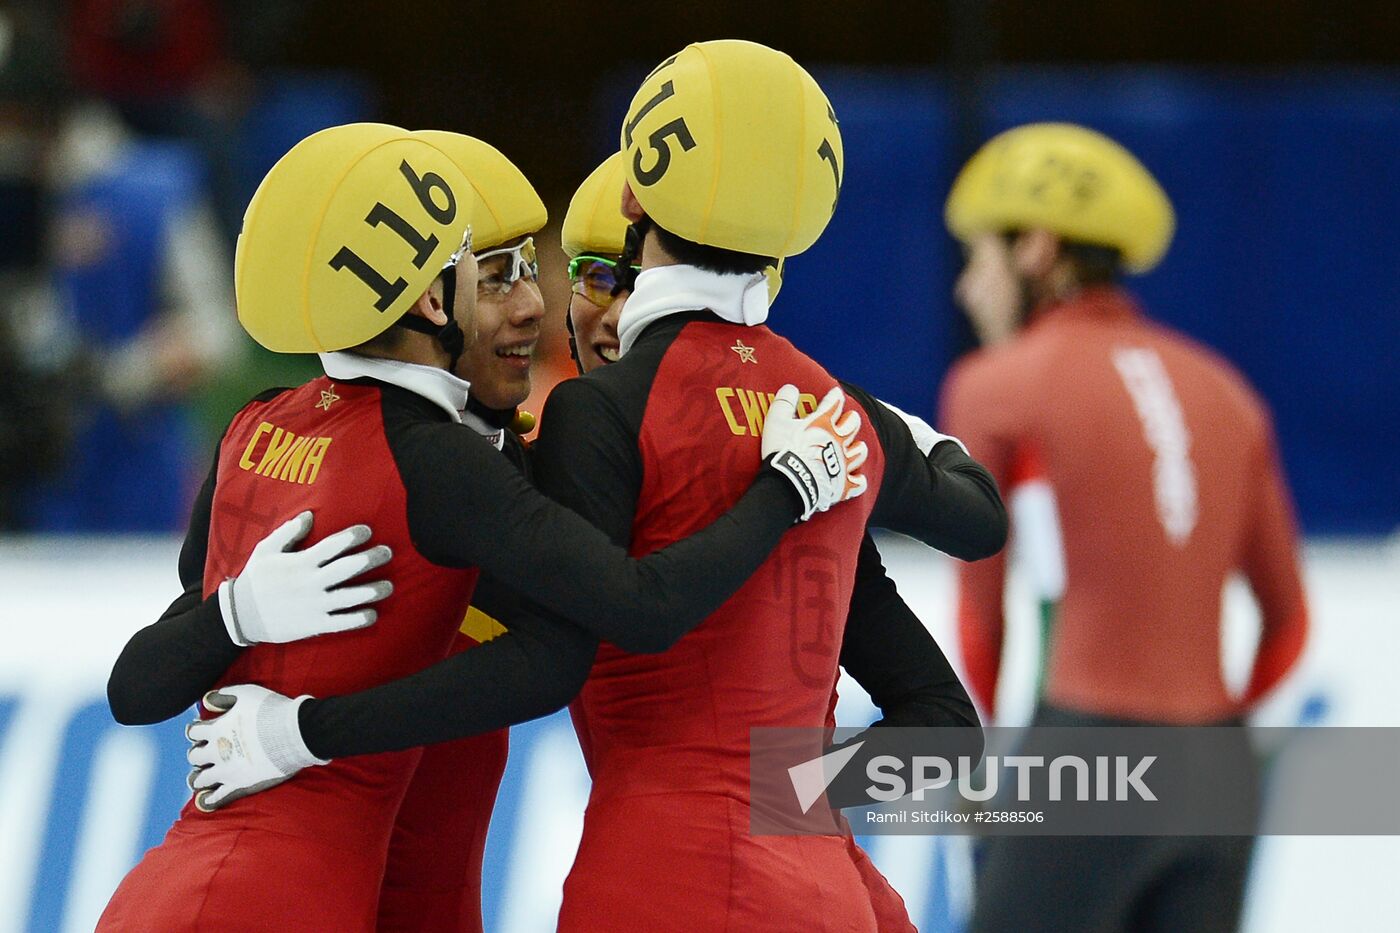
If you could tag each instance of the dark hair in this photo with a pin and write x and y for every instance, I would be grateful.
(387, 341)
(1093, 264)
(710, 258)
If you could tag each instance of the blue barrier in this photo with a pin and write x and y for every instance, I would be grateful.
(524, 848)
(70, 797)
(512, 855)
(1287, 193)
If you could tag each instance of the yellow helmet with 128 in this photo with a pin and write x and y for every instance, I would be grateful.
(1070, 180)
(732, 144)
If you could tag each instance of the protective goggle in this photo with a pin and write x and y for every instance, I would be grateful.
(521, 263)
(600, 280)
(461, 251)
(449, 271)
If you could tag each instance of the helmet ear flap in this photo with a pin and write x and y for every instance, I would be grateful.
(774, 275)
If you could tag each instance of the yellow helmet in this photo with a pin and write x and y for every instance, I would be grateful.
(508, 206)
(732, 144)
(1067, 179)
(594, 222)
(346, 232)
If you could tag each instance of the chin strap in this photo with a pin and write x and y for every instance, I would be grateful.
(449, 336)
(493, 417)
(573, 342)
(624, 276)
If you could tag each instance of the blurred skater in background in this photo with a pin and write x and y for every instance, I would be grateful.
(1165, 480)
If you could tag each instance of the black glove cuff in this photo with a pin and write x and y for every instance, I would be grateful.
(800, 476)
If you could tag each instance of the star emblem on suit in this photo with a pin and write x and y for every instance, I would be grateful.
(328, 398)
(745, 353)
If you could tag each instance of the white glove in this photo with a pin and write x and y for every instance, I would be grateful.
(819, 454)
(284, 595)
(255, 743)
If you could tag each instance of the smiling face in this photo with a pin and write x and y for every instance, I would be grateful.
(501, 335)
(595, 330)
(595, 306)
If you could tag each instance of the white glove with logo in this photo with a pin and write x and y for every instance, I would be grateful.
(255, 743)
(284, 595)
(819, 454)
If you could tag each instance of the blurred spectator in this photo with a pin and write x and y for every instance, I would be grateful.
(36, 422)
(187, 69)
(141, 278)
(209, 74)
(34, 395)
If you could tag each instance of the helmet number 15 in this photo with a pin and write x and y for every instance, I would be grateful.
(825, 151)
(658, 140)
(676, 128)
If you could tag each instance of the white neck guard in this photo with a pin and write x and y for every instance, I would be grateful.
(665, 290)
(434, 384)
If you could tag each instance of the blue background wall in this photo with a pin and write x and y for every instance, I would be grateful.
(1287, 192)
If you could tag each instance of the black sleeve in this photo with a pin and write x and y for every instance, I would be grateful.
(495, 599)
(890, 653)
(586, 457)
(467, 505)
(535, 668)
(945, 499)
(167, 666)
(518, 453)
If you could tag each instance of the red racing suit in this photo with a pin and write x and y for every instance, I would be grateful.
(659, 444)
(1166, 476)
(310, 854)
